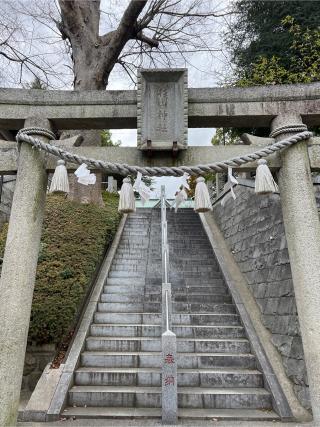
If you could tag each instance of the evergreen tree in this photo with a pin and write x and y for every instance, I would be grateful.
(272, 43)
(106, 139)
(260, 29)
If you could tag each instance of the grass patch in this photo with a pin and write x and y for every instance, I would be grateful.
(74, 238)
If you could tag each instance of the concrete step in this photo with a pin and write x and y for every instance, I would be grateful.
(178, 253)
(125, 275)
(188, 397)
(190, 307)
(130, 244)
(218, 290)
(218, 281)
(202, 271)
(119, 289)
(125, 344)
(149, 413)
(193, 298)
(129, 267)
(135, 256)
(135, 231)
(132, 253)
(218, 377)
(156, 297)
(123, 261)
(177, 319)
(190, 290)
(199, 276)
(125, 281)
(122, 307)
(124, 298)
(183, 331)
(153, 360)
(189, 345)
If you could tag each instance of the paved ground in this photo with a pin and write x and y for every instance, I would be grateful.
(156, 423)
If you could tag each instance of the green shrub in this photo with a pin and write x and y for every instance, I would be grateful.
(73, 241)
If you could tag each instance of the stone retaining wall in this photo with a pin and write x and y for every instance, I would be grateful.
(6, 198)
(37, 358)
(254, 230)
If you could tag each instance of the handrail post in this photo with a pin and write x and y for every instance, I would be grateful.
(168, 340)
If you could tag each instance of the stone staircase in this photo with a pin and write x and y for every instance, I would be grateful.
(119, 373)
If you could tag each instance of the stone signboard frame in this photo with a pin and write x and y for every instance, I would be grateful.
(162, 109)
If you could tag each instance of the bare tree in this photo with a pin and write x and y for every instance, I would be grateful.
(60, 39)
(31, 46)
(101, 35)
(169, 27)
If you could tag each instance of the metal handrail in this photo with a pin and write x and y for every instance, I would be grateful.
(168, 339)
(167, 310)
(164, 233)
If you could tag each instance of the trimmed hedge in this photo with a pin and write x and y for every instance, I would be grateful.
(73, 242)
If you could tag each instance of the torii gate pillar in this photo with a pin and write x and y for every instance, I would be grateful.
(19, 271)
(302, 227)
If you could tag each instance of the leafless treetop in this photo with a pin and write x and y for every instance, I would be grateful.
(62, 41)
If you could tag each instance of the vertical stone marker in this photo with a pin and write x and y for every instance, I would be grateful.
(19, 271)
(169, 378)
(302, 227)
(162, 109)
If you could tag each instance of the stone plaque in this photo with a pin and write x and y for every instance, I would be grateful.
(162, 109)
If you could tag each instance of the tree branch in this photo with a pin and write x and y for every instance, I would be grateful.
(152, 42)
(127, 29)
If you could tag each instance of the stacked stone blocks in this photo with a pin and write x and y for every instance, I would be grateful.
(254, 230)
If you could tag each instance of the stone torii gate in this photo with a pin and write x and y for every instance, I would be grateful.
(272, 106)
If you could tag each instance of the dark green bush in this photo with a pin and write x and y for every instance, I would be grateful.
(73, 241)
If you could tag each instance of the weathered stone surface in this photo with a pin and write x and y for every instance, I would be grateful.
(283, 343)
(296, 370)
(207, 107)
(18, 273)
(36, 359)
(302, 227)
(41, 398)
(7, 184)
(169, 379)
(253, 228)
(162, 108)
(30, 363)
(303, 395)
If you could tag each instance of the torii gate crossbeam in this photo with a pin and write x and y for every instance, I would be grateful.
(258, 107)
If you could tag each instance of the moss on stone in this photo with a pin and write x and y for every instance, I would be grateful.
(73, 241)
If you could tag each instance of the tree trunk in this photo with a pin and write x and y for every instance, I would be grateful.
(79, 192)
(94, 57)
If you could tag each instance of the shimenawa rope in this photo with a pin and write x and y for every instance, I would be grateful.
(24, 135)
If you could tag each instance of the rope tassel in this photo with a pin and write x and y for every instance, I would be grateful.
(60, 182)
(127, 202)
(202, 202)
(264, 184)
